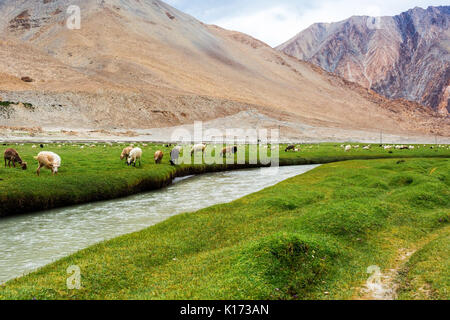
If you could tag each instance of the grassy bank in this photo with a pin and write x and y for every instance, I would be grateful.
(93, 174)
(427, 273)
(310, 237)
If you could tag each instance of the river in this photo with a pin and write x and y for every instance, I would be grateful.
(30, 241)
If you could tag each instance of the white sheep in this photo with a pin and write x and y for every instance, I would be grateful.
(134, 156)
(198, 148)
(48, 160)
(348, 148)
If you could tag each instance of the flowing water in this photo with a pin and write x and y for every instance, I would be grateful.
(28, 242)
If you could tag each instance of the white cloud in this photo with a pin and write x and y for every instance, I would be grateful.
(270, 25)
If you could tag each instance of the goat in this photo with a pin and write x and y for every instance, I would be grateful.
(12, 155)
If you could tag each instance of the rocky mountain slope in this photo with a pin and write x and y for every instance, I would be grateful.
(405, 56)
(143, 64)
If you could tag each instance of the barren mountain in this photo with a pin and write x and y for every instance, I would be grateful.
(143, 64)
(405, 56)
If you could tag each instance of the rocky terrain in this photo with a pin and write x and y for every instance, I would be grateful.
(141, 64)
(405, 56)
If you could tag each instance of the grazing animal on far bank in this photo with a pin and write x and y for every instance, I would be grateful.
(49, 160)
(290, 148)
(158, 156)
(134, 156)
(125, 153)
(11, 155)
(348, 148)
(229, 150)
(198, 148)
(175, 155)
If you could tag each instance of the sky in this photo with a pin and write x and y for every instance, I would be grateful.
(276, 21)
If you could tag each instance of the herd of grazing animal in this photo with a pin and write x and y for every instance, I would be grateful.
(348, 148)
(52, 161)
(46, 159)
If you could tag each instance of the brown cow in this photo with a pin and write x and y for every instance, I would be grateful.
(11, 155)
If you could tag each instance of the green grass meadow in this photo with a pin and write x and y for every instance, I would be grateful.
(96, 173)
(310, 237)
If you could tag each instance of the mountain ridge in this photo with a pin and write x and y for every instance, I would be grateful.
(406, 56)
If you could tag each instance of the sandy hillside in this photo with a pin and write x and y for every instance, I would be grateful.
(142, 64)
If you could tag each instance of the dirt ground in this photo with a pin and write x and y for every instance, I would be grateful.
(289, 132)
